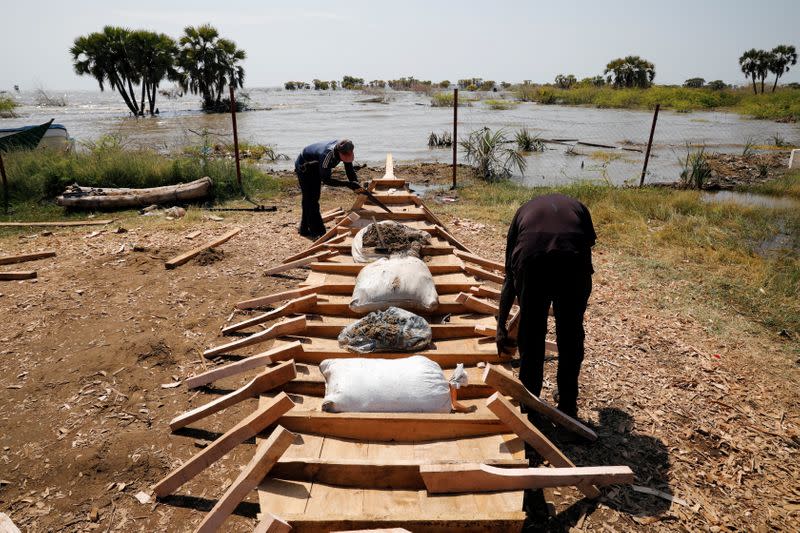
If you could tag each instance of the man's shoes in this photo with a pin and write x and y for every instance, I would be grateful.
(569, 410)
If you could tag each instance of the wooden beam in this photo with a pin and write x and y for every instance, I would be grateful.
(477, 305)
(346, 221)
(354, 268)
(299, 262)
(447, 479)
(272, 524)
(313, 249)
(506, 383)
(484, 274)
(267, 454)
(394, 474)
(449, 237)
(17, 274)
(298, 305)
(397, 427)
(279, 329)
(63, 223)
(519, 424)
(186, 256)
(269, 379)
(487, 263)
(22, 258)
(282, 353)
(247, 428)
(427, 249)
(262, 301)
(330, 215)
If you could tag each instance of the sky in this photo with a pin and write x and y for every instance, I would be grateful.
(501, 40)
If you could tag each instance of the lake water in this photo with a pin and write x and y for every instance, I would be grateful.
(290, 120)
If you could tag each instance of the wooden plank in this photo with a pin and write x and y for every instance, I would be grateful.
(389, 474)
(17, 274)
(520, 425)
(262, 418)
(279, 329)
(506, 383)
(342, 284)
(346, 221)
(330, 215)
(487, 263)
(193, 235)
(262, 301)
(267, 454)
(272, 524)
(339, 305)
(476, 304)
(441, 479)
(398, 213)
(490, 331)
(269, 379)
(282, 352)
(22, 258)
(484, 291)
(484, 274)
(355, 268)
(313, 249)
(63, 223)
(393, 427)
(187, 256)
(428, 249)
(299, 262)
(298, 305)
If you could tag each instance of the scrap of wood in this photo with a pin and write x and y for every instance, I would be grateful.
(374, 474)
(314, 249)
(399, 427)
(272, 524)
(486, 292)
(319, 256)
(17, 274)
(102, 222)
(476, 304)
(445, 479)
(519, 424)
(484, 274)
(281, 353)
(257, 422)
(506, 383)
(269, 379)
(267, 454)
(298, 305)
(194, 235)
(287, 327)
(22, 258)
(478, 260)
(186, 256)
(262, 301)
(346, 221)
(330, 215)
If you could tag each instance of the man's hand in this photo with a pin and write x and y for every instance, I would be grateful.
(505, 346)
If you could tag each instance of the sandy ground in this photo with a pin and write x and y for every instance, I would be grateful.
(91, 350)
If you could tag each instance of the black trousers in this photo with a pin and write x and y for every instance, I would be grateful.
(566, 283)
(311, 220)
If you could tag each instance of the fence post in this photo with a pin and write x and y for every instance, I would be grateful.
(5, 184)
(649, 145)
(235, 136)
(455, 134)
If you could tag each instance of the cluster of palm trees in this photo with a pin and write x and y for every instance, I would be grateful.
(630, 71)
(137, 61)
(758, 64)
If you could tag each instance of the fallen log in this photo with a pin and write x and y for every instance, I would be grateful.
(78, 197)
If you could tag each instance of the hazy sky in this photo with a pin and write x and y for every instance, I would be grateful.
(499, 40)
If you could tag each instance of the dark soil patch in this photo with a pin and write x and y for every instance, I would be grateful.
(209, 256)
(395, 237)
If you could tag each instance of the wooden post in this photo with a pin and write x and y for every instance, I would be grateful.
(5, 184)
(235, 135)
(455, 134)
(649, 145)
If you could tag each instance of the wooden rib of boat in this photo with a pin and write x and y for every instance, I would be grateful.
(348, 471)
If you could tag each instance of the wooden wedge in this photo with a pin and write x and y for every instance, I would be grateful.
(445, 479)
(476, 304)
(519, 424)
(272, 524)
(281, 353)
(267, 454)
(262, 301)
(484, 274)
(22, 258)
(319, 256)
(486, 263)
(507, 384)
(269, 379)
(299, 305)
(187, 256)
(279, 329)
(17, 274)
(261, 419)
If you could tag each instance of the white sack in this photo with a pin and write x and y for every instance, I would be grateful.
(403, 282)
(410, 385)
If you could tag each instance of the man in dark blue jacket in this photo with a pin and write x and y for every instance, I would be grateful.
(313, 168)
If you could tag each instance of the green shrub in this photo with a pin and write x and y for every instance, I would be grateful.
(7, 106)
(500, 104)
(489, 152)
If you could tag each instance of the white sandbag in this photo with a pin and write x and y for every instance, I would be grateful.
(392, 330)
(364, 254)
(403, 282)
(413, 384)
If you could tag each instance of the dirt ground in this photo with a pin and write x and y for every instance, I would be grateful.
(92, 350)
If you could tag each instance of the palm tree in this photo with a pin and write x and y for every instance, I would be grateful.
(631, 71)
(153, 56)
(755, 64)
(783, 56)
(208, 64)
